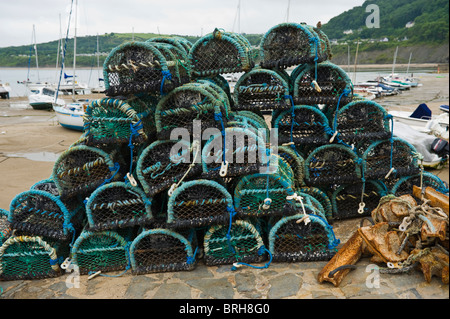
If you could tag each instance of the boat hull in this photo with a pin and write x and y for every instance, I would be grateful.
(69, 120)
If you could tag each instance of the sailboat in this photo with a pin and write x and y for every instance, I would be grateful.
(101, 84)
(70, 115)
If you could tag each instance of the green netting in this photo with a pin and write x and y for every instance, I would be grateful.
(302, 124)
(293, 240)
(289, 44)
(5, 226)
(266, 194)
(199, 203)
(404, 185)
(164, 163)
(325, 83)
(390, 158)
(81, 169)
(139, 67)
(163, 250)
(118, 205)
(46, 185)
(239, 243)
(109, 121)
(180, 42)
(103, 251)
(333, 163)
(346, 199)
(220, 52)
(262, 89)
(43, 214)
(29, 257)
(322, 197)
(189, 102)
(296, 162)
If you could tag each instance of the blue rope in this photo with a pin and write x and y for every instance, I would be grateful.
(346, 92)
(261, 251)
(190, 260)
(292, 145)
(232, 212)
(218, 117)
(134, 129)
(114, 169)
(166, 75)
(391, 139)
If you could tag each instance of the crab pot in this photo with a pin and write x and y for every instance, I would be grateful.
(291, 240)
(262, 90)
(333, 88)
(164, 163)
(43, 214)
(181, 43)
(221, 82)
(347, 198)
(5, 226)
(320, 196)
(199, 203)
(239, 243)
(114, 121)
(46, 185)
(303, 125)
(104, 251)
(361, 121)
(220, 52)
(332, 164)
(188, 105)
(405, 185)
(118, 205)
(289, 44)
(258, 195)
(395, 156)
(296, 162)
(30, 257)
(163, 250)
(139, 67)
(242, 148)
(175, 52)
(81, 169)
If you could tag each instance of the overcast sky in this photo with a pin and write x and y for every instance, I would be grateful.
(183, 17)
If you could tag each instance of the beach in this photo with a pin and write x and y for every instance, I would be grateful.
(31, 141)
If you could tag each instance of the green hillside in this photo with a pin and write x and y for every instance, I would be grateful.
(430, 21)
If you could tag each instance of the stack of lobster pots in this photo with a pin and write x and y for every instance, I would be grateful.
(175, 167)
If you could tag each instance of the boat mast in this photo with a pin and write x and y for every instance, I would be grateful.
(74, 52)
(409, 61)
(395, 58)
(287, 12)
(35, 52)
(356, 59)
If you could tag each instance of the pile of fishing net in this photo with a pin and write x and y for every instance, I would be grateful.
(175, 168)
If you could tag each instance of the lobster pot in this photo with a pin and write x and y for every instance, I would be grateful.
(220, 52)
(5, 226)
(289, 44)
(199, 203)
(235, 151)
(164, 163)
(321, 197)
(118, 205)
(239, 243)
(252, 121)
(261, 90)
(43, 214)
(139, 67)
(46, 185)
(296, 162)
(258, 194)
(30, 257)
(163, 250)
(103, 251)
(334, 87)
(181, 43)
(361, 121)
(81, 169)
(405, 185)
(303, 125)
(347, 198)
(392, 155)
(114, 121)
(220, 81)
(172, 52)
(186, 104)
(291, 240)
(332, 164)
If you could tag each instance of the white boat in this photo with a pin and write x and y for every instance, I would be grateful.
(43, 98)
(444, 108)
(4, 91)
(71, 115)
(424, 123)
